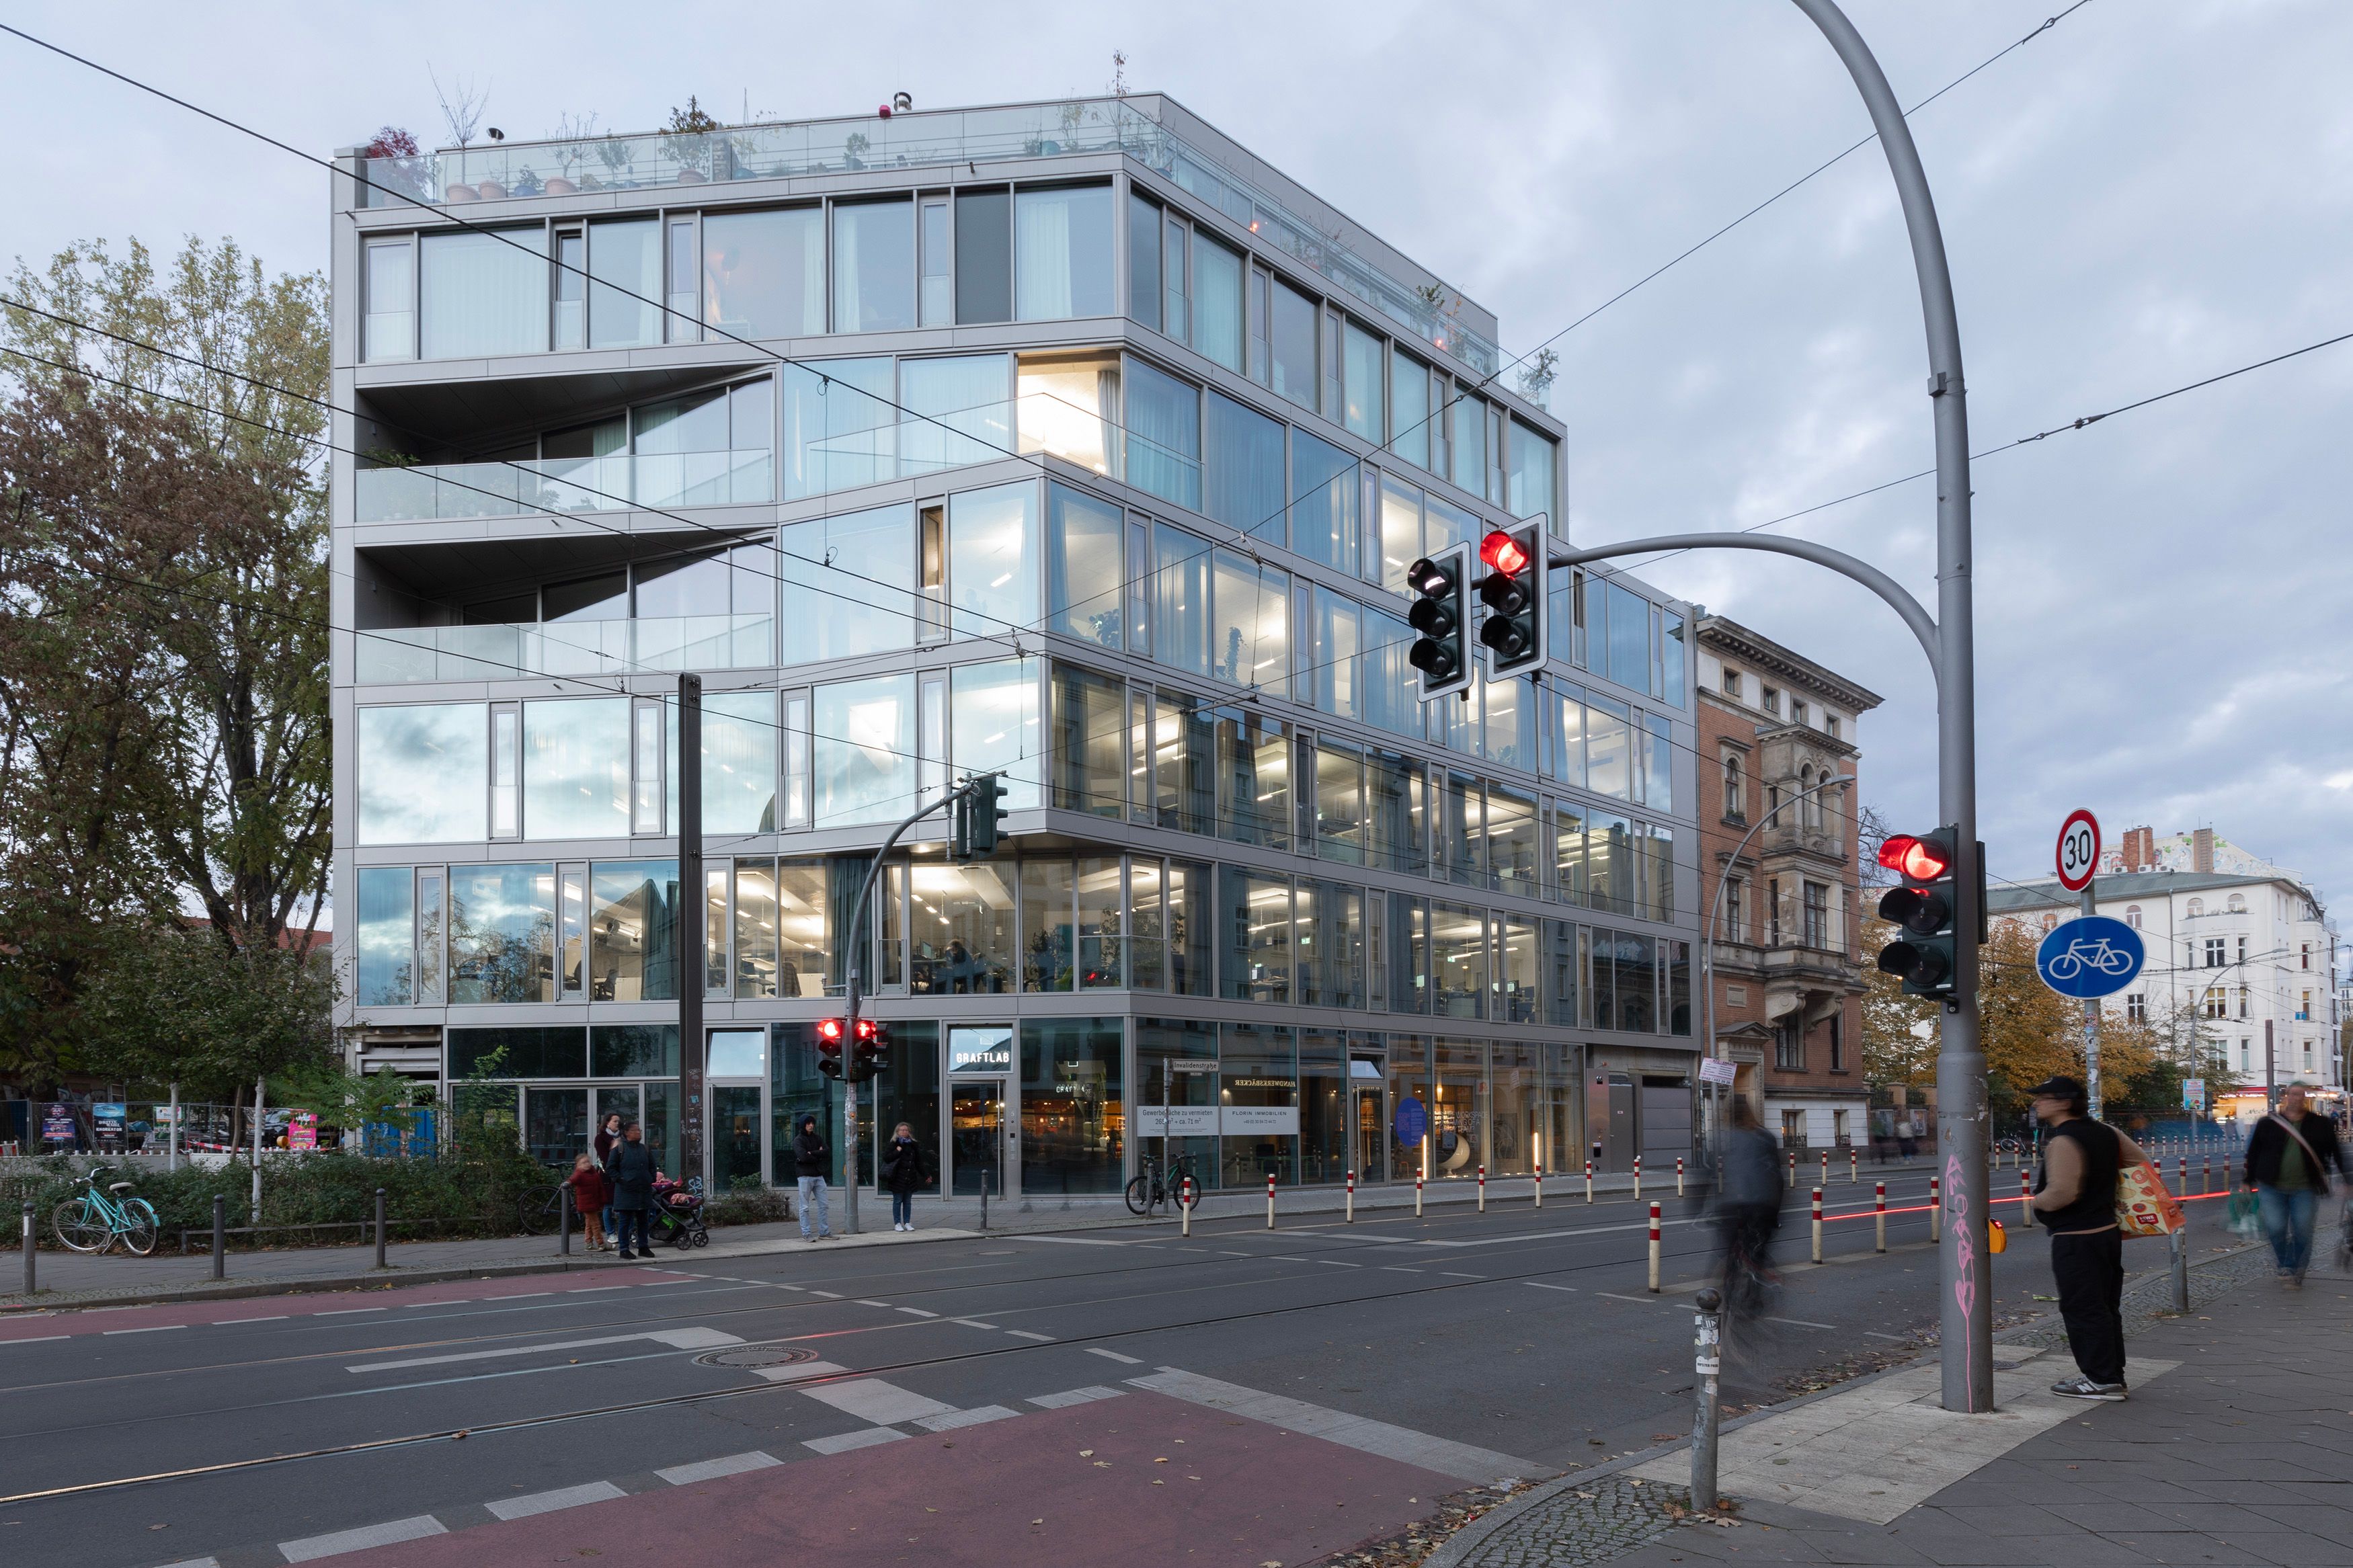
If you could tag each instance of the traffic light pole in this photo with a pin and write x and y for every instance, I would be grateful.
(861, 937)
(1965, 1298)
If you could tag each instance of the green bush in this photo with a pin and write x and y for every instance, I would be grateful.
(475, 1192)
(747, 1205)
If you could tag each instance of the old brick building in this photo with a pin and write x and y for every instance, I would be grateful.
(1777, 874)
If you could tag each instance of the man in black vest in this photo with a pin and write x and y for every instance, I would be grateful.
(2075, 1199)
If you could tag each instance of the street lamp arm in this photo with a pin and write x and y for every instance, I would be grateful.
(1837, 561)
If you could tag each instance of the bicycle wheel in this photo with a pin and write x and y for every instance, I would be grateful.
(79, 1225)
(537, 1211)
(1139, 1195)
(139, 1227)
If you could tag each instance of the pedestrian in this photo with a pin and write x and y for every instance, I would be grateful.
(2075, 1200)
(2289, 1156)
(810, 1158)
(1748, 1206)
(631, 1173)
(606, 1136)
(588, 1196)
(903, 1172)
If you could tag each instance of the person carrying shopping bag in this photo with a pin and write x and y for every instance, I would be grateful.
(2289, 1155)
(2075, 1199)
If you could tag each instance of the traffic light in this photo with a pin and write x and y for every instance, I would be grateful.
(871, 1052)
(1514, 592)
(829, 1032)
(1925, 908)
(1441, 615)
(980, 817)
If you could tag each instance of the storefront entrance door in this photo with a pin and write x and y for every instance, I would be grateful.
(978, 1138)
(1371, 1127)
(738, 1143)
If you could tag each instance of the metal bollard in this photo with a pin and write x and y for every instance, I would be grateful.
(1638, 1178)
(1482, 1189)
(1935, 1211)
(1793, 1168)
(1588, 1180)
(1417, 1194)
(1853, 1166)
(2180, 1240)
(1352, 1197)
(2205, 1174)
(1678, 1175)
(29, 1241)
(2181, 1173)
(1881, 1221)
(1708, 1363)
(563, 1222)
(1654, 1248)
(379, 1228)
(1270, 1200)
(1539, 1183)
(1818, 1225)
(1825, 1167)
(220, 1235)
(984, 1200)
(1185, 1203)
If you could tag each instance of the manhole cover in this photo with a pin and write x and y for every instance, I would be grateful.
(753, 1356)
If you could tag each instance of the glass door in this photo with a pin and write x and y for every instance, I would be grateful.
(977, 1137)
(738, 1068)
(1366, 1081)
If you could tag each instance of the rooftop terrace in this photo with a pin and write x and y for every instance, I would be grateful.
(1152, 130)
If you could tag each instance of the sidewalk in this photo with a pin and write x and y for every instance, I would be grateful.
(2233, 1449)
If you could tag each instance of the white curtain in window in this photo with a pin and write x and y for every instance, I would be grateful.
(1042, 249)
(483, 295)
(1216, 301)
(625, 284)
(957, 411)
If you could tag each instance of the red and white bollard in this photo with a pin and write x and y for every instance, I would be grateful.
(1853, 1166)
(1270, 1200)
(1185, 1203)
(1539, 1183)
(1638, 1178)
(1881, 1222)
(1678, 1175)
(1482, 1189)
(1825, 1167)
(2025, 1197)
(1417, 1194)
(1654, 1248)
(1818, 1225)
(1936, 1209)
(2180, 1173)
(1352, 1197)
(2205, 1174)
(1588, 1180)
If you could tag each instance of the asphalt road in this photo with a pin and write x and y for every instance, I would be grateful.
(934, 1380)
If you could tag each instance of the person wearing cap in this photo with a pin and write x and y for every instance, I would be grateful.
(2075, 1200)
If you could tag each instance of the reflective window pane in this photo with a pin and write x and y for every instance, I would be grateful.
(484, 293)
(866, 606)
(625, 284)
(1084, 566)
(763, 272)
(874, 266)
(424, 774)
(632, 935)
(502, 933)
(576, 768)
(993, 559)
(383, 976)
(1061, 250)
(864, 733)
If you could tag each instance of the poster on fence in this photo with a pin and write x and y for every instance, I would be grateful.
(106, 1120)
(304, 1131)
(56, 1124)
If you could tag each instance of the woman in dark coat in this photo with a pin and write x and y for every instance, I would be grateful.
(903, 1172)
(631, 1172)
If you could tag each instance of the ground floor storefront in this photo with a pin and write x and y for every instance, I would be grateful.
(1073, 1106)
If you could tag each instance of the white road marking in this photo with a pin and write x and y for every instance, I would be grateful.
(1541, 1286)
(1113, 1356)
(150, 1329)
(798, 1371)
(960, 1418)
(884, 1404)
(1638, 1300)
(1802, 1323)
(276, 1316)
(1079, 1240)
(1875, 1334)
(1025, 1334)
(849, 1440)
(829, 1295)
(311, 1547)
(1069, 1397)
(551, 1502)
(1451, 1274)
(915, 1311)
(712, 1470)
(974, 1323)
(37, 1339)
(1334, 1263)
(863, 1303)
(688, 1339)
(1443, 1455)
(346, 1312)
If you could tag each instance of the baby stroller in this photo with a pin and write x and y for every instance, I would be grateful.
(678, 1214)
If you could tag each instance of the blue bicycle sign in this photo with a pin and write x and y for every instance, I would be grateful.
(2090, 956)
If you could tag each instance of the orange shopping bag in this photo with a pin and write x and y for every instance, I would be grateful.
(2143, 1206)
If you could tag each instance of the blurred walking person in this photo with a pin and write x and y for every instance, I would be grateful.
(1747, 1208)
(632, 1171)
(2289, 1155)
(2075, 1200)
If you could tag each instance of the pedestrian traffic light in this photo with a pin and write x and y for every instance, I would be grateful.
(979, 817)
(1513, 589)
(1925, 909)
(871, 1052)
(1440, 614)
(829, 1033)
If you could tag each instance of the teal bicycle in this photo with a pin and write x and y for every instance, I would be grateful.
(93, 1220)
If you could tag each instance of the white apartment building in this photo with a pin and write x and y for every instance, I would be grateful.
(2253, 949)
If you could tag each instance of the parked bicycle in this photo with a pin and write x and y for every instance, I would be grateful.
(94, 1219)
(541, 1209)
(1160, 1183)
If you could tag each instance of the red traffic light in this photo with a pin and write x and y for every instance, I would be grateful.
(866, 1029)
(829, 1030)
(1502, 551)
(1916, 859)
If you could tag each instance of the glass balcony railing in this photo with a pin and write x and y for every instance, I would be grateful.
(663, 161)
(430, 492)
(400, 654)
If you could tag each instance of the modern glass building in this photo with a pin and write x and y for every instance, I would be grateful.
(1098, 466)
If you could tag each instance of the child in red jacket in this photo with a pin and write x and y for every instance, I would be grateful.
(590, 1194)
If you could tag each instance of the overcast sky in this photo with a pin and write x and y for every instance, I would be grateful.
(2147, 194)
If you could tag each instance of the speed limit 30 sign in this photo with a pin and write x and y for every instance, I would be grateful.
(2079, 851)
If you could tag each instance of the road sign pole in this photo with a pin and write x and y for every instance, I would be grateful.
(2091, 1030)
